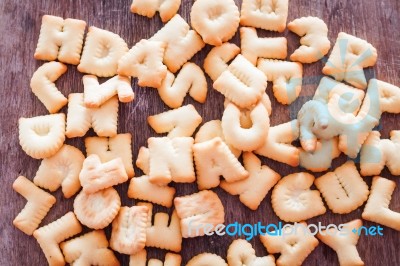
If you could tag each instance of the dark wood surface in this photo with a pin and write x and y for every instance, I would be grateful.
(376, 21)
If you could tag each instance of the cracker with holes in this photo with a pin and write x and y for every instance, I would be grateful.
(171, 160)
(314, 40)
(344, 244)
(242, 137)
(377, 207)
(215, 21)
(80, 119)
(294, 243)
(39, 203)
(389, 97)
(376, 153)
(167, 9)
(344, 190)
(60, 39)
(182, 42)
(240, 252)
(101, 53)
(145, 62)
(61, 170)
(198, 209)
(96, 175)
(190, 80)
(214, 159)
(294, 201)
(43, 86)
(348, 58)
(139, 188)
(128, 234)
(213, 129)
(254, 47)
(321, 158)
(218, 58)
(110, 148)
(181, 122)
(253, 189)
(96, 94)
(50, 236)
(97, 210)
(242, 83)
(277, 145)
(140, 259)
(286, 77)
(204, 259)
(89, 249)
(268, 15)
(163, 225)
(42, 136)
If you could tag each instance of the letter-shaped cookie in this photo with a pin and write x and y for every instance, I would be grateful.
(61, 169)
(286, 77)
(182, 42)
(50, 236)
(128, 234)
(42, 85)
(164, 226)
(96, 94)
(253, 47)
(89, 249)
(377, 152)
(377, 207)
(242, 83)
(344, 190)
(267, 15)
(39, 203)
(321, 158)
(294, 242)
(213, 159)
(42, 136)
(190, 80)
(245, 138)
(348, 58)
(145, 62)
(181, 122)
(389, 97)
(60, 39)
(97, 210)
(80, 119)
(101, 53)
(198, 211)
(277, 145)
(111, 148)
(96, 176)
(314, 39)
(215, 21)
(294, 201)
(140, 259)
(171, 160)
(344, 243)
(253, 189)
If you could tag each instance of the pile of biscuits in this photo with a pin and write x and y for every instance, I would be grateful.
(339, 119)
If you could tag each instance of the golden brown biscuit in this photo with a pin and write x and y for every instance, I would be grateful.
(140, 259)
(206, 259)
(60, 39)
(241, 253)
(148, 8)
(218, 58)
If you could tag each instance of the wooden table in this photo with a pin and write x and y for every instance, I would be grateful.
(376, 21)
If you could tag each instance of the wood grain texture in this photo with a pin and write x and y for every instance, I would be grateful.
(376, 21)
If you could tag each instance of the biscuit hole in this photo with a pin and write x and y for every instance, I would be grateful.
(104, 50)
(214, 13)
(41, 130)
